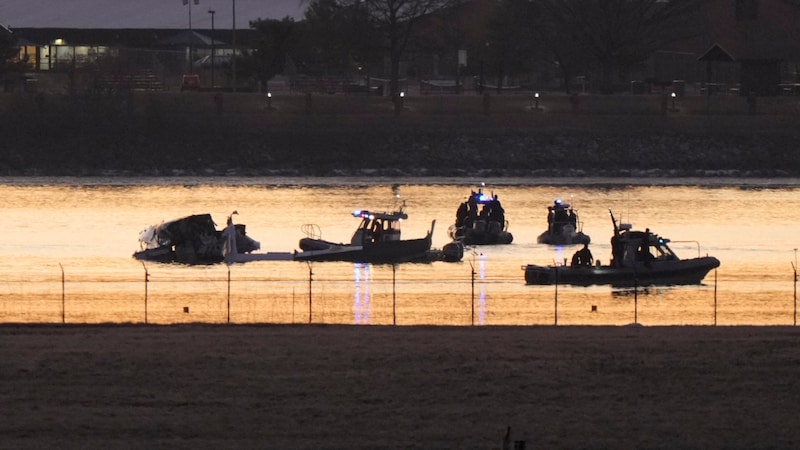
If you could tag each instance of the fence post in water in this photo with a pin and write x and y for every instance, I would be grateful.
(715, 297)
(555, 313)
(310, 275)
(63, 295)
(472, 268)
(146, 279)
(794, 267)
(229, 292)
(635, 299)
(394, 294)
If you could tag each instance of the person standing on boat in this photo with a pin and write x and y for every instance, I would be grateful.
(497, 213)
(461, 214)
(617, 251)
(583, 257)
(472, 210)
(377, 231)
(644, 248)
(561, 216)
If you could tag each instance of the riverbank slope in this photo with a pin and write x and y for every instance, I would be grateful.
(177, 134)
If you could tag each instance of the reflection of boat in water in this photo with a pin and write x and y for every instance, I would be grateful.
(638, 258)
(563, 226)
(485, 227)
(196, 240)
(376, 240)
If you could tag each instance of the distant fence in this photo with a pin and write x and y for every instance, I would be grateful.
(226, 297)
(491, 102)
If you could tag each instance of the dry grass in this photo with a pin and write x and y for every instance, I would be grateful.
(202, 386)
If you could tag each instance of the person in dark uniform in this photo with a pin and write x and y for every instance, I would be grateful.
(461, 214)
(617, 252)
(583, 257)
(472, 210)
(644, 248)
(497, 214)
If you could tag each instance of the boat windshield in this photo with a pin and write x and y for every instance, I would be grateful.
(643, 246)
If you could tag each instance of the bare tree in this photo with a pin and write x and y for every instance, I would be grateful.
(617, 34)
(508, 43)
(277, 39)
(338, 35)
(394, 21)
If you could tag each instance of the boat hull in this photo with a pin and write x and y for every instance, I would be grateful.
(471, 236)
(680, 272)
(387, 252)
(563, 238)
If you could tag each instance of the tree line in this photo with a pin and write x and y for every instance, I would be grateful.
(502, 39)
(555, 39)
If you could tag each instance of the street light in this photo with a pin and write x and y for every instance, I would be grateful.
(673, 100)
(536, 101)
(212, 12)
(191, 45)
(233, 61)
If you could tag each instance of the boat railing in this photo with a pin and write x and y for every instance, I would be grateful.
(697, 243)
(311, 230)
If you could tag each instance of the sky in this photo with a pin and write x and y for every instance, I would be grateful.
(141, 13)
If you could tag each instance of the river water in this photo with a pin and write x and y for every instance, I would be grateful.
(67, 252)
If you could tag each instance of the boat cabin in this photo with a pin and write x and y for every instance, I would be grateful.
(560, 214)
(377, 227)
(629, 247)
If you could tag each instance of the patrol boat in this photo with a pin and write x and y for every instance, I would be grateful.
(376, 240)
(485, 227)
(638, 258)
(563, 226)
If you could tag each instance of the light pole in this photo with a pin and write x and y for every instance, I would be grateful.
(211, 11)
(191, 45)
(233, 61)
(673, 101)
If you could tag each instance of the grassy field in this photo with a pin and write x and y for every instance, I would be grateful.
(361, 387)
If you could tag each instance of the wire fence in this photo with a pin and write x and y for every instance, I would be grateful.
(376, 295)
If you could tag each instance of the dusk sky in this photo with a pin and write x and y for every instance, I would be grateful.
(141, 13)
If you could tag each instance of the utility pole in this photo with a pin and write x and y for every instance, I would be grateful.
(211, 11)
(233, 62)
(191, 44)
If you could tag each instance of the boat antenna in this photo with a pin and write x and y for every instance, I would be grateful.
(230, 218)
(396, 196)
(613, 221)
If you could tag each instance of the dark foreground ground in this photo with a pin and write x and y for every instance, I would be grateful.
(211, 387)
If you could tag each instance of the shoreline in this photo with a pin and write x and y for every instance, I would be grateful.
(150, 136)
(237, 180)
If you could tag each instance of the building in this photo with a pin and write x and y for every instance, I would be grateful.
(143, 59)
